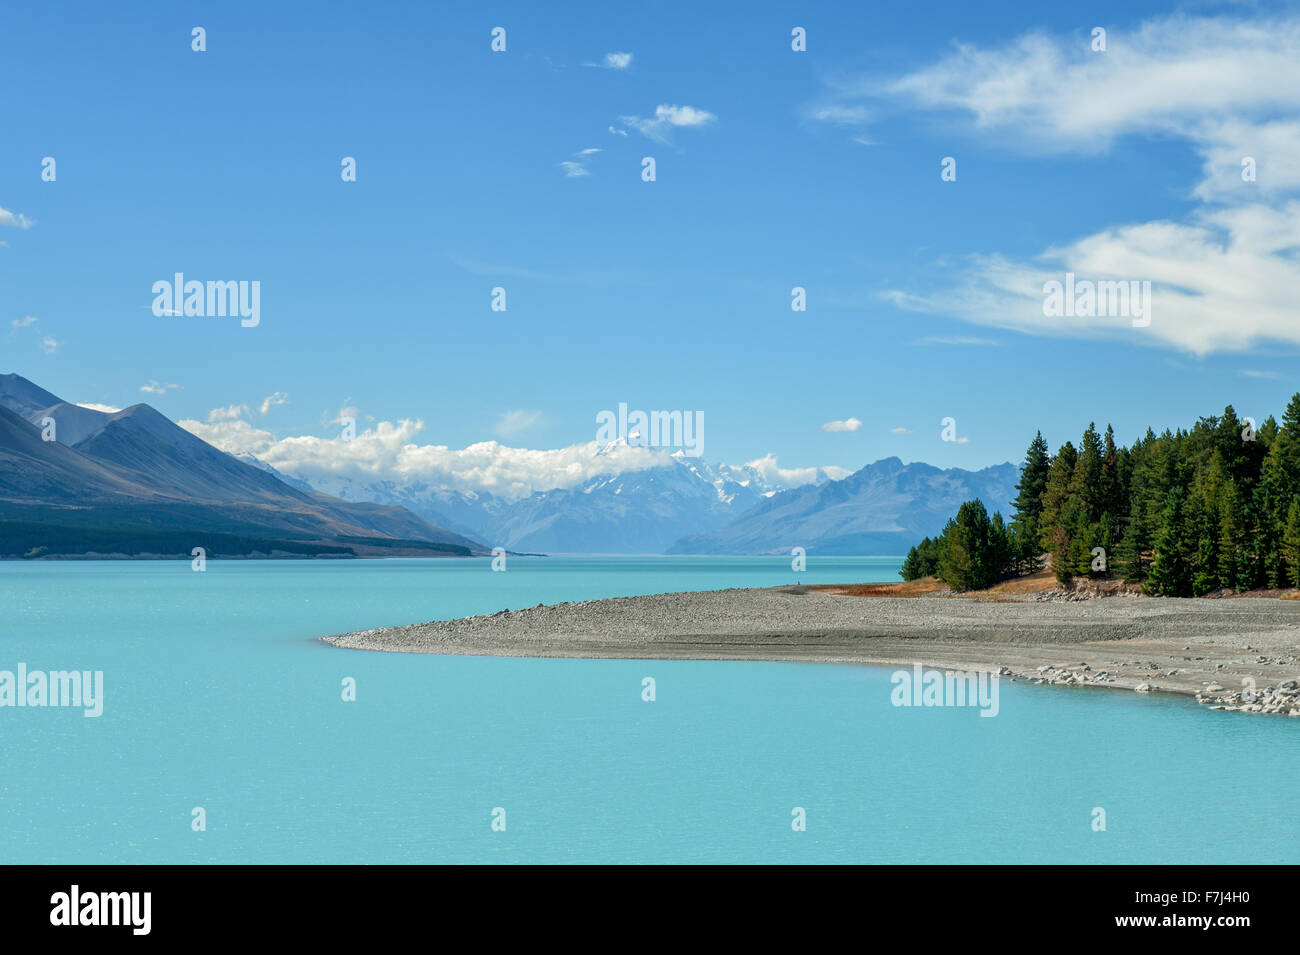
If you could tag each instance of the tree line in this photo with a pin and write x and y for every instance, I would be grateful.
(1183, 513)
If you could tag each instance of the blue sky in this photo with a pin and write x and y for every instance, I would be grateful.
(817, 169)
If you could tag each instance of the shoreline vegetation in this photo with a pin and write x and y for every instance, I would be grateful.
(1182, 514)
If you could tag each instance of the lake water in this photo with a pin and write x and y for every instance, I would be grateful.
(217, 696)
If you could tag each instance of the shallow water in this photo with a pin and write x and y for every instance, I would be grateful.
(217, 695)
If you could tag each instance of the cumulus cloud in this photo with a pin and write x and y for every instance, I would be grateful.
(848, 424)
(617, 61)
(390, 451)
(228, 413)
(154, 388)
(15, 220)
(773, 473)
(668, 118)
(50, 345)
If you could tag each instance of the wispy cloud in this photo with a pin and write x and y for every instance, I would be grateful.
(667, 118)
(577, 167)
(154, 388)
(1232, 256)
(591, 278)
(614, 61)
(50, 345)
(839, 115)
(513, 422)
(270, 401)
(1252, 373)
(618, 132)
(24, 321)
(899, 431)
(15, 220)
(848, 424)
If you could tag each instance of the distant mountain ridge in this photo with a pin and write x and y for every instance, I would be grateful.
(691, 507)
(640, 511)
(114, 477)
(882, 509)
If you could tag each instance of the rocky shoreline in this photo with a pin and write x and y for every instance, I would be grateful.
(1226, 654)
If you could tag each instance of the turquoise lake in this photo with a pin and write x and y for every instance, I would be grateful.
(217, 695)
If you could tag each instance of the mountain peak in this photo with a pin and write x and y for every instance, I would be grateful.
(24, 397)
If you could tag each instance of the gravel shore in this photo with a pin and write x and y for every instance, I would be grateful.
(1217, 650)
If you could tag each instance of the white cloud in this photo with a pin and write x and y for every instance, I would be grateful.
(270, 401)
(1251, 373)
(153, 388)
(96, 406)
(512, 422)
(1223, 276)
(840, 115)
(848, 424)
(618, 132)
(576, 168)
(389, 451)
(1056, 95)
(667, 118)
(773, 473)
(24, 321)
(50, 345)
(228, 413)
(1225, 281)
(15, 220)
(899, 431)
(618, 61)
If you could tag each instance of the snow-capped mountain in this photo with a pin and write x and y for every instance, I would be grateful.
(631, 512)
(884, 508)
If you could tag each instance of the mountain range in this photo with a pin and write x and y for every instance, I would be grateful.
(690, 507)
(74, 480)
(884, 508)
(132, 482)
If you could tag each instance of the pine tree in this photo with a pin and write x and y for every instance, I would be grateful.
(1056, 493)
(967, 560)
(1029, 504)
(1291, 543)
(1186, 512)
(1171, 568)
